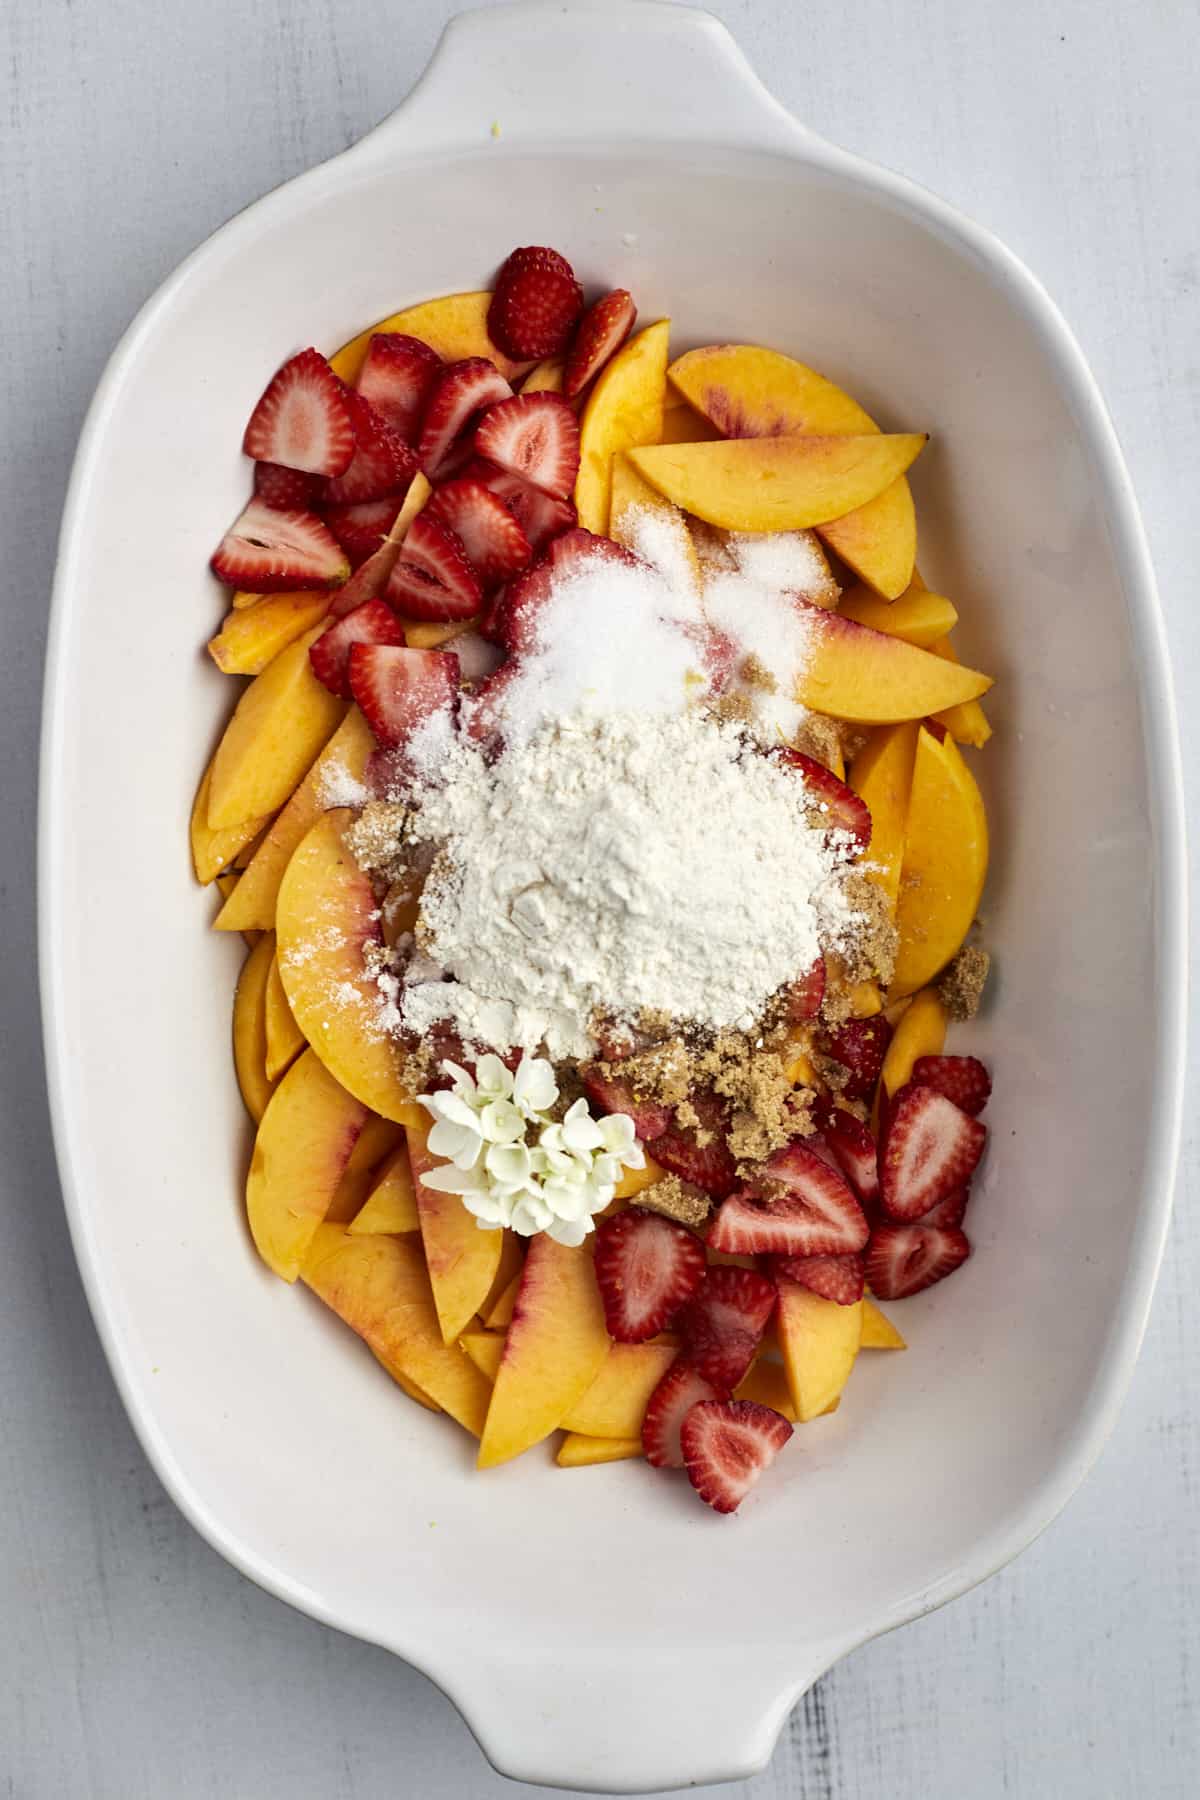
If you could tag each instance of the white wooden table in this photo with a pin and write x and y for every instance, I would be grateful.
(134, 1664)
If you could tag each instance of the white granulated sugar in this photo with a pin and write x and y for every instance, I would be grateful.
(620, 863)
(784, 561)
(338, 787)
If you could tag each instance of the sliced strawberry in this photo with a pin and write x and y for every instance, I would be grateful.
(854, 1148)
(287, 490)
(931, 1148)
(647, 1268)
(456, 394)
(599, 335)
(433, 578)
(398, 689)
(860, 1045)
(707, 1164)
(302, 420)
(382, 463)
(727, 1445)
(396, 378)
(962, 1079)
(839, 805)
(681, 1388)
(802, 998)
(490, 534)
(268, 552)
(535, 436)
(837, 1278)
(949, 1213)
(650, 1119)
(535, 304)
(360, 529)
(540, 516)
(721, 1327)
(371, 623)
(810, 1210)
(903, 1259)
(515, 622)
(483, 717)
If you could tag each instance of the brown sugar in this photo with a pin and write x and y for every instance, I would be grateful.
(376, 840)
(869, 953)
(755, 673)
(820, 738)
(961, 985)
(676, 1199)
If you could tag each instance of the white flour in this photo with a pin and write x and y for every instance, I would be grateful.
(620, 862)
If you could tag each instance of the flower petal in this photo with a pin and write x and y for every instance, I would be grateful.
(534, 1088)
(569, 1232)
(579, 1130)
(492, 1078)
(501, 1122)
(508, 1164)
(446, 1179)
(460, 1144)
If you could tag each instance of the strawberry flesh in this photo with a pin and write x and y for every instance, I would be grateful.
(288, 490)
(839, 806)
(371, 623)
(650, 1119)
(647, 1267)
(962, 1079)
(598, 336)
(396, 378)
(515, 622)
(382, 462)
(681, 1388)
(700, 1154)
(727, 1445)
(268, 551)
(949, 1213)
(903, 1259)
(360, 529)
(432, 578)
(399, 689)
(810, 1210)
(540, 516)
(802, 998)
(931, 1148)
(854, 1150)
(457, 393)
(303, 419)
(721, 1327)
(860, 1045)
(489, 532)
(535, 304)
(836, 1278)
(535, 436)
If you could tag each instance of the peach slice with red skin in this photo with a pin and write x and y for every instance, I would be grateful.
(300, 1154)
(462, 1258)
(868, 678)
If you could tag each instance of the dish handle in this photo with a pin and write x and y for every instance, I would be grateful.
(613, 70)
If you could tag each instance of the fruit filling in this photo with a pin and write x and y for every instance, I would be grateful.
(598, 821)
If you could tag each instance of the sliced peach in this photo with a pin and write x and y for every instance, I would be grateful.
(250, 1029)
(300, 1154)
(862, 675)
(545, 377)
(431, 634)
(380, 1287)
(410, 1387)
(945, 862)
(819, 1340)
(579, 1452)
(212, 850)
(499, 1315)
(282, 722)
(918, 616)
(920, 1031)
(552, 1352)
(634, 1181)
(777, 484)
(508, 1270)
(225, 885)
(878, 540)
(967, 722)
(326, 915)
(767, 1383)
(391, 1202)
(285, 1040)
(881, 774)
(682, 424)
(379, 1138)
(624, 409)
(878, 1332)
(461, 1257)
(252, 906)
(615, 1404)
(631, 499)
(455, 325)
(485, 1349)
(251, 638)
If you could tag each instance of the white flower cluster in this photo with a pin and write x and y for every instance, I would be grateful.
(512, 1164)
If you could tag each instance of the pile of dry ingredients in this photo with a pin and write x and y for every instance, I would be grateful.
(632, 854)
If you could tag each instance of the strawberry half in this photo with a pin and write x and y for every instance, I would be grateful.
(708, 1165)
(812, 1211)
(483, 718)
(268, 551)
(903, 1259)
(650, 1119)
(433, 578)
(490, 534)
(802, 998)
(860, 1045)
(647, 1267)
(371, 623)
(839, 805)
(599, 335)
(456, 394)
(931, 1148)
(540, 516)
(382, 462)
(836, 1278)
(535, 436)
(681, 1388)
(360, 529)
(287, 490)
(721, 1327)
(962, 1079)
(727, 1445)
(535, 304)
(855, 1152)
(302, 419)
(515, 620)
(398, 689)
(396, 378)
(949, 1213)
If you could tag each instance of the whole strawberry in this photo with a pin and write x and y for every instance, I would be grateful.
(535, 305)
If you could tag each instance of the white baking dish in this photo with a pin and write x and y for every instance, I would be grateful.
(599, 1628)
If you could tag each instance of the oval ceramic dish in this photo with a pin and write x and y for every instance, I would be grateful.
(600, 1629)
